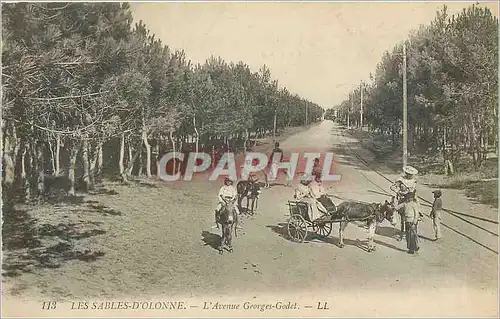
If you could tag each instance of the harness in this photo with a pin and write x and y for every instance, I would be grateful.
(373, 214)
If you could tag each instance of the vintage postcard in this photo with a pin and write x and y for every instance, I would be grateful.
(249, 159)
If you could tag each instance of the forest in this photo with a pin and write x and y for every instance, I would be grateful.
(452, 89)
(87, 92)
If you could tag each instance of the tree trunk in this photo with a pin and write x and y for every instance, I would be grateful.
(8, 163)
(245, 142)
(131, 161)
(25, 186)
(485, 144)
(100, 159)
(8, 167)
(449, 168)
(40, 170)
(139, 172)
(171, 136)
(123, 174)
(85, 159)
(474, 145)
(180, 151)
(197, 136)
(93, 164)
(57, 156)
(73, 151)
(156, 152)
(52, 157)
(148, 151)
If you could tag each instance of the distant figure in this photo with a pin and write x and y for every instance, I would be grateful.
(437, 206)
(274, 167)
(316, 168)
(214, 155)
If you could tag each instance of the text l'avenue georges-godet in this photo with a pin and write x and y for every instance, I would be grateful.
(215, 305)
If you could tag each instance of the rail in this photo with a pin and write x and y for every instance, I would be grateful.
(449, 211)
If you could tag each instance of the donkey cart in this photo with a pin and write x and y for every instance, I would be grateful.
(299, 221)
(344, 213)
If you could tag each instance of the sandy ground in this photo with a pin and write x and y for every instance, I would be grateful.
(156, 241)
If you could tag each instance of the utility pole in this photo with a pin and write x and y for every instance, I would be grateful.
(349, 111)
(274, 130)
(306, 112)
(361, 110)
(405, 111)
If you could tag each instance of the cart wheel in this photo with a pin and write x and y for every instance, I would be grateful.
(322, 229)
(297, 228)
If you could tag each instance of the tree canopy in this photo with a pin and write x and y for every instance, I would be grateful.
(83, 87)
(452, 87)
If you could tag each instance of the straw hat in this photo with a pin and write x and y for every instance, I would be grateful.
(410, 170)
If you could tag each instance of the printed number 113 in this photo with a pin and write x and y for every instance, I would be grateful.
(49, 305)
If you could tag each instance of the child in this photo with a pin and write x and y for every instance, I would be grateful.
(437, 206)
(412, 216)
(227, 193)
(316, 168)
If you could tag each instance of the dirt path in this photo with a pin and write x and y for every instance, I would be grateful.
(160, 242)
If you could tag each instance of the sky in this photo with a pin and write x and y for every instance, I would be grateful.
(318, 50)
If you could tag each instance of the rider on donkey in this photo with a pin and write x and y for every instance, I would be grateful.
(403, 186)
(227, 194)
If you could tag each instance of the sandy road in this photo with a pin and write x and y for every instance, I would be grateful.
(162, 244)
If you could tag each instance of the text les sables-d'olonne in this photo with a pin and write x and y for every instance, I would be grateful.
(129, 305)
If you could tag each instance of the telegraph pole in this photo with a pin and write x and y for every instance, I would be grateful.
(274, 127)
(349, 111)
(306, 112)
(361, 111)
(405, 111)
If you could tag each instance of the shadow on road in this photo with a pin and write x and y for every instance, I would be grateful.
(211, 239)
(28, 245)
(389, 232)
(281, 230)
(425, 238)
(347, 242)
(381, 243)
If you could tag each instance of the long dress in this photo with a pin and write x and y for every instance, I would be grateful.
(303, 194)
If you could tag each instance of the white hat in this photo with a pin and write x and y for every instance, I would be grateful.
(304, 177)
(410, 170)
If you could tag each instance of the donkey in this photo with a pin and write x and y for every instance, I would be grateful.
(228, 218)
(373, 214)
(250, 190)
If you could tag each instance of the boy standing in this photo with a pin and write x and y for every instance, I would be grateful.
(435, 214)
(412, 216)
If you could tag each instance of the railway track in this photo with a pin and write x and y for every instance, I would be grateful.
(453, 213)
